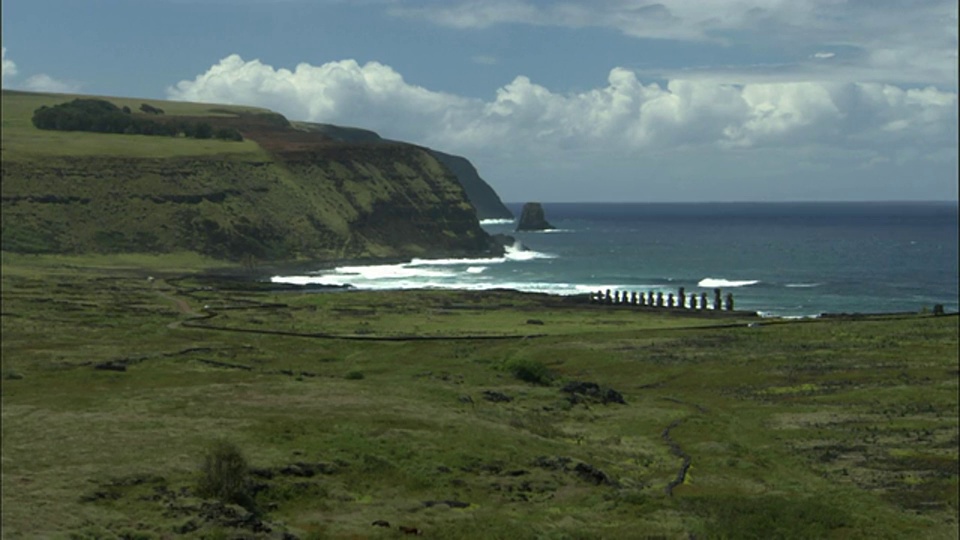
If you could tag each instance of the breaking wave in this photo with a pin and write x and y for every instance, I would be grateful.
(466, 273)
(712, 283)
(776, 315)
(802, 285)
(495, 221)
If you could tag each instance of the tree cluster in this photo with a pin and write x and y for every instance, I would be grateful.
(102, 116)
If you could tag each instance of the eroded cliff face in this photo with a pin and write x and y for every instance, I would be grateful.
(316, 202)
(481, 195)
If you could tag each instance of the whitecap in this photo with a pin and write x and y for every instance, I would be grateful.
(711, 283)
(802, 285)
(391, 271)
(774, 315)
(495, 221)
(455, 262)
(307, 280)
(476, 269)
(517, 252)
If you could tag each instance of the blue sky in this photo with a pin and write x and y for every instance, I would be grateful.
(575, 100)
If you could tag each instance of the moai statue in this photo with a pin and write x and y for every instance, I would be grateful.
(703, 301)
(716, 299)
(650, 299)
(659, 299)
(643, 299)
(693, 300)
(670, 300)
(608, 299)
(633, 298)
(729, 301)
(681, 298)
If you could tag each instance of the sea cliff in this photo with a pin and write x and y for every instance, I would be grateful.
(283, 193)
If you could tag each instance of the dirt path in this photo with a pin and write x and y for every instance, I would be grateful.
(182, 306)
(676, 449)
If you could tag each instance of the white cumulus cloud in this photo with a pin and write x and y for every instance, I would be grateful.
(46, 83)
(829, 125)
(36, 83)
(623, 114)
(9, 67)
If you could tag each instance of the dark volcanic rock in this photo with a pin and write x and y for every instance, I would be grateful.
(496, 397)
(532, 218)
(592, 474)
(581, 391)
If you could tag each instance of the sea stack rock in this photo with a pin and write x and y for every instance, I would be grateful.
(532, 218)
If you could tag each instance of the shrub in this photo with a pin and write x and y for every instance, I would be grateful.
(531, 371)
(354, 375)
(101, 116)
(202, 130)
(229, 134)
(224, 475)
(150, 109)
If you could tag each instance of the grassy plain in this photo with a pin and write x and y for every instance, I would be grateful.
(115, 384)
(22, 141)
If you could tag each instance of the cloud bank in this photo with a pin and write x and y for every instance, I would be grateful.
(625, 114)
(798, 140)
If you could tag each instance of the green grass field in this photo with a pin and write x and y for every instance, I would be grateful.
(22, 141)
(114, 385)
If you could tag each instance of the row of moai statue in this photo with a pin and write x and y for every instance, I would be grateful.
(657, 299)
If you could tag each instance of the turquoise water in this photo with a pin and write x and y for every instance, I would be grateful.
(783, 259)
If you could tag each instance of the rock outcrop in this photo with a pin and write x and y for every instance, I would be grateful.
(532, 218)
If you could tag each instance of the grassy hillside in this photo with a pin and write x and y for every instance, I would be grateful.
(464, 415)
(281, 194)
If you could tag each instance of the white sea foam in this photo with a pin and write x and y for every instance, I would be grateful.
(391, 271)
(517, 252)
(425, 274)
(711, 283)
(495, 221)
(773, 315)
(802, 285)
(454, 262)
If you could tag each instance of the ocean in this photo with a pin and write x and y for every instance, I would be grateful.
(778, 259)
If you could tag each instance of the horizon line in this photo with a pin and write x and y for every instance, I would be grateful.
(862, 201)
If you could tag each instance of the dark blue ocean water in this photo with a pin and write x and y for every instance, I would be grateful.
(783, 259)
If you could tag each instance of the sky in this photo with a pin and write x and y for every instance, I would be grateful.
(555, 101)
